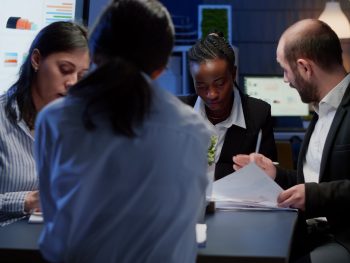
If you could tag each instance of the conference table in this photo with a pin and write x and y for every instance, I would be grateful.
(248, 236)
(232, 236)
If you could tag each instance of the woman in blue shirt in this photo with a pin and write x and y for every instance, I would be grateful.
(122, 163)
(57, 58)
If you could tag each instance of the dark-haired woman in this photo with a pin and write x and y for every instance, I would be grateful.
(122, 163)
(235, 117)
(58, 57)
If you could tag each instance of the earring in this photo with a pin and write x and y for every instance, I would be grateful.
(35, 69)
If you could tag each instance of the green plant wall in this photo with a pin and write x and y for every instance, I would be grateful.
(215, 19)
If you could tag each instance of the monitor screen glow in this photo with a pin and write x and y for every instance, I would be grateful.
(284, 100)
(20, 21)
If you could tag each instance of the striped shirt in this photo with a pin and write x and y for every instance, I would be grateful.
(17, 166)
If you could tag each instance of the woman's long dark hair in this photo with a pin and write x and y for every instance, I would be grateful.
(56, 37)
(131, 38)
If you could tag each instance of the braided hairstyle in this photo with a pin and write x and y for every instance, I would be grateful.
(214, 45)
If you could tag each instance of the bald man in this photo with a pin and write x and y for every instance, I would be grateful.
(310, 55)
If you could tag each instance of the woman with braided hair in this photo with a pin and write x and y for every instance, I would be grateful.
(236, 118)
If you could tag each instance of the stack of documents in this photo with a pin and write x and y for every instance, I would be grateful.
(248, 188)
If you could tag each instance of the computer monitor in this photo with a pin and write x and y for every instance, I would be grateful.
(284, 100)
(21, 20)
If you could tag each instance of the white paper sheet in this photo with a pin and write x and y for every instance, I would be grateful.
(201, 233)
(36, 218)
(247, 188)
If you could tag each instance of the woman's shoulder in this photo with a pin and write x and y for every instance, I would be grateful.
(171, 105)
(255, 103)
(3, 99)
(256, 110)
(59, 109)
(175, 113)
(188, 99)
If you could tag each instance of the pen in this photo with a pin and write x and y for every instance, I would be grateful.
(258, 142)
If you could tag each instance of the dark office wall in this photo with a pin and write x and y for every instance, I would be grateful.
(96, 6)
(256, 26)
(183, 8)
(176, 7)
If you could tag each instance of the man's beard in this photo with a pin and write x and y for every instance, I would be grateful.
(307, 91)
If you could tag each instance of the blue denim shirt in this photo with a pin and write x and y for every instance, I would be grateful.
(111, 198)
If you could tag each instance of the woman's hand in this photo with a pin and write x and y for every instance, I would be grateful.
(32, 202)
(260, 160)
